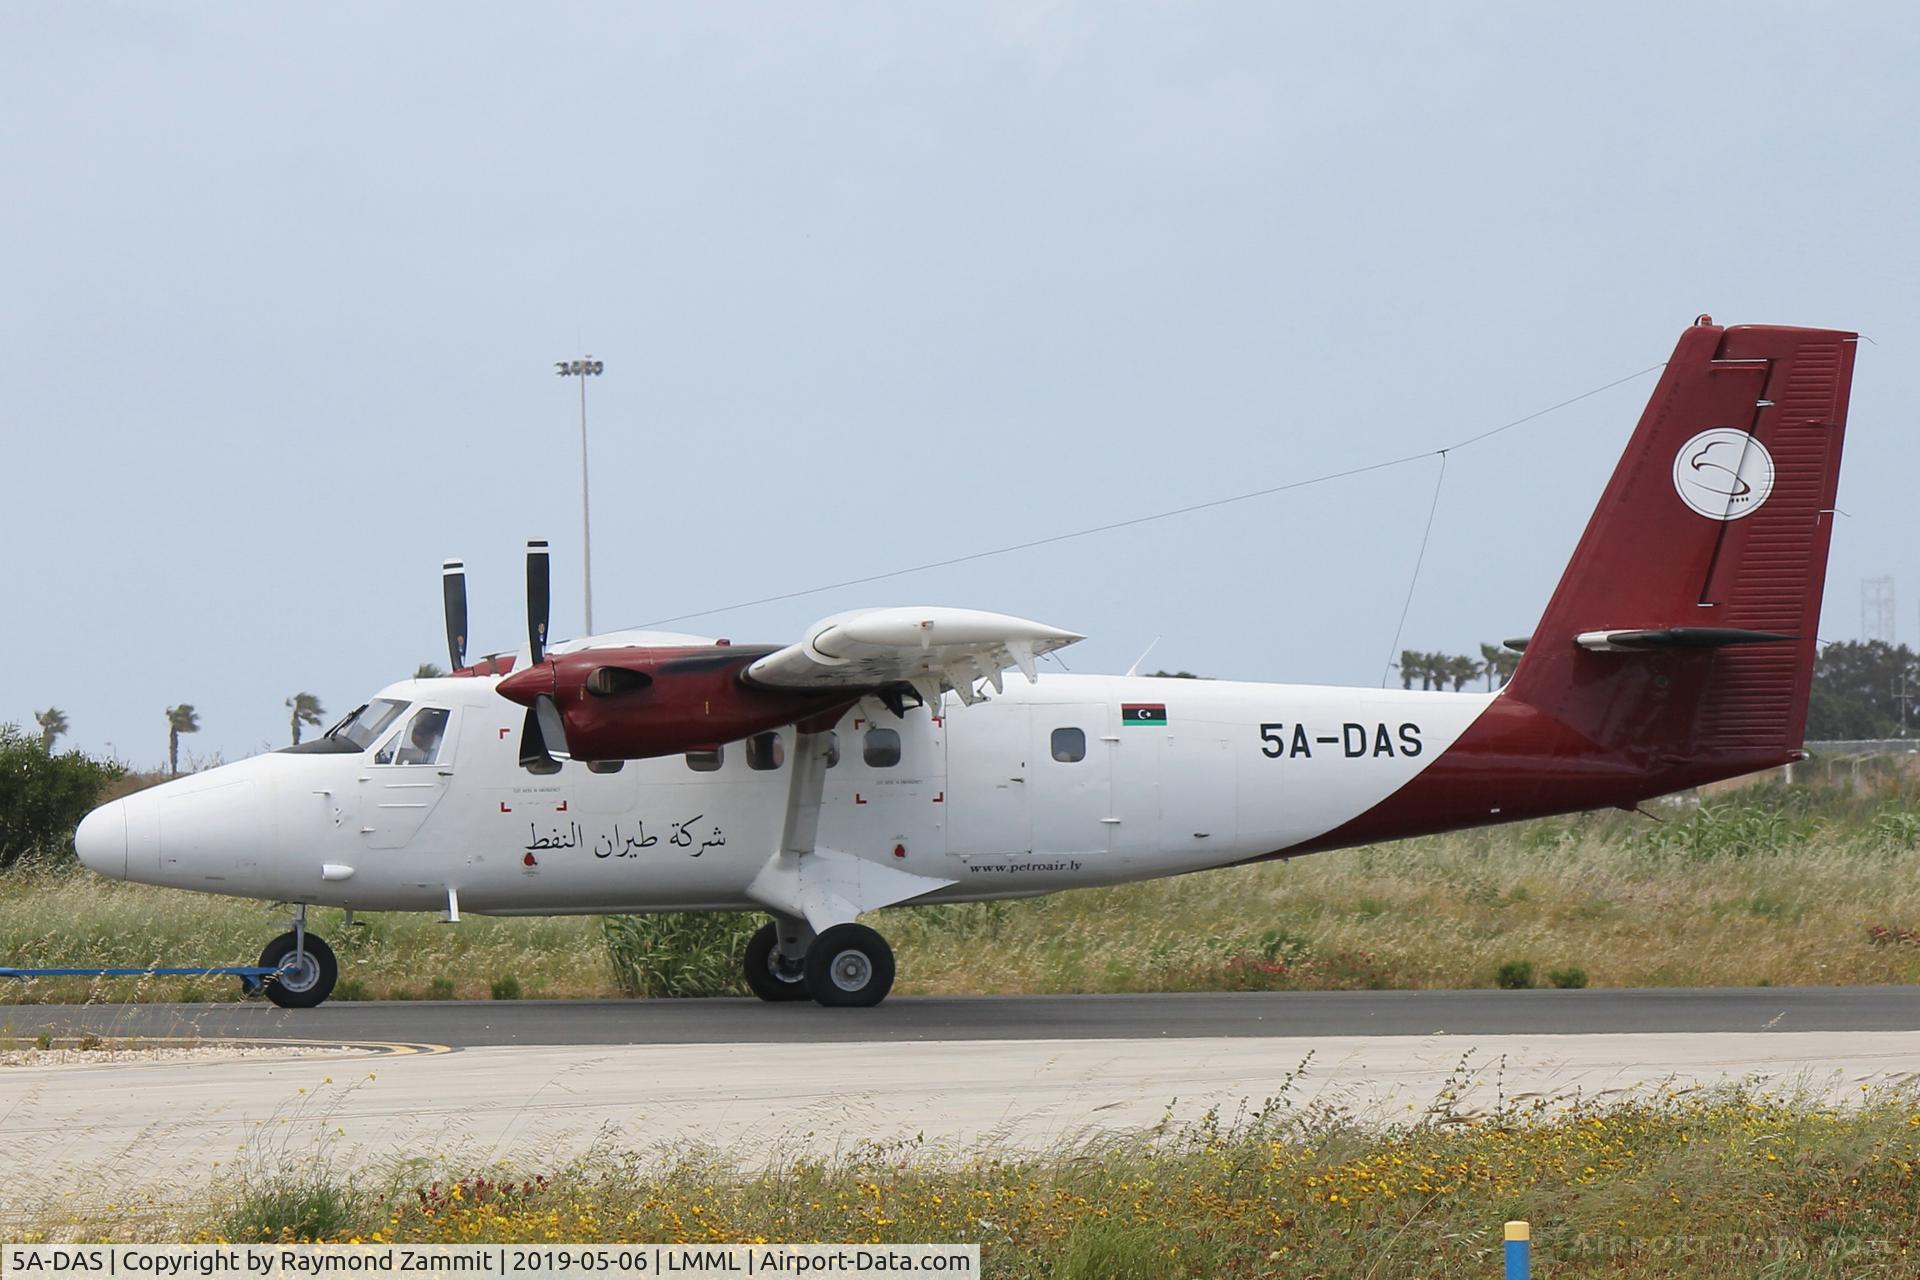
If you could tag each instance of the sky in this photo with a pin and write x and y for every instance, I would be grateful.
(878, 285)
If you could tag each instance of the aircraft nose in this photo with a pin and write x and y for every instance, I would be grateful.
(101, 840)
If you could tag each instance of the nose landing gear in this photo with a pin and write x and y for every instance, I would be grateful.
(304, 969)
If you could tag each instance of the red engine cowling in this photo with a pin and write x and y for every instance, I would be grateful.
(634, 703)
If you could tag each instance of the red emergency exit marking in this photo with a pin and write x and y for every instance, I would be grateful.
(504, 808)
(505, 732)
(941, 798)
(858, 798)
(561, 807)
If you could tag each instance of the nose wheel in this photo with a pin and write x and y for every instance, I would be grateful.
(304, 970)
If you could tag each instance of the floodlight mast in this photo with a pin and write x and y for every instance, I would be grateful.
(583, 369)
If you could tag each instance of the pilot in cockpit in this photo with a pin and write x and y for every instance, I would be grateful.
(423, 737)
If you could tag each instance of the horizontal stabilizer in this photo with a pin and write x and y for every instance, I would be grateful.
(1675, 638)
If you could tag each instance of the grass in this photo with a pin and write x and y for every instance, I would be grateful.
(51, 918)
(1728, 1182)
(1774, 885)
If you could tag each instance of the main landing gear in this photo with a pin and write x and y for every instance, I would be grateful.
(848, 966)
(303, 965)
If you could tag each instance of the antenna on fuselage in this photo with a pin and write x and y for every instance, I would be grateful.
(1134, 670)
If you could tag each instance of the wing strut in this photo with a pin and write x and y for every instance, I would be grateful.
(825, 887)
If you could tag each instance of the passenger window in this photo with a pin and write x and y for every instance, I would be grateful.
(765, 751)
(707, 761)
(605, 766)
(1069, 745)
(420, 741)
(882, 748)
(833, 748)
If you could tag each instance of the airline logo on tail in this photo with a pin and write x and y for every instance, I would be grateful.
(1723, 473)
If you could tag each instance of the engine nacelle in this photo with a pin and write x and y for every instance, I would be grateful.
(634, 703)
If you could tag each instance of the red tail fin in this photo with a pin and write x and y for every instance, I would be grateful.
(1710, 540)
(1678, 647)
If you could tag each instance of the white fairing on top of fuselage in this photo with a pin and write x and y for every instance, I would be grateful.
(1041, 788)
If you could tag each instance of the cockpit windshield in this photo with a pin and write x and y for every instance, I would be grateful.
(367, 723)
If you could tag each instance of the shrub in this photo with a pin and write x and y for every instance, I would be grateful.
(350, 989)
(440, 989)
(506, 987)
(43, 797)
(1571, 978)
(681, 953)
(293, 1207)
(1515, 975)
(1103, 1249)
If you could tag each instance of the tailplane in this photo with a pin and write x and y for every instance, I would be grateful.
(1678, 648)
(1682, 634)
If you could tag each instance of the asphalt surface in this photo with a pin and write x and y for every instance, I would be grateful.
(474, 1024)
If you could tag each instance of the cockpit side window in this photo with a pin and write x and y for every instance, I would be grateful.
(420, 741)
(368, 722)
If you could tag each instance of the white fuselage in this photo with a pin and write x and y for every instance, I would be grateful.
(1043, 787)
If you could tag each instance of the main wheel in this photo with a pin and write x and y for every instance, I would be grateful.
(771, 975)
(304, 983)
(849, 965)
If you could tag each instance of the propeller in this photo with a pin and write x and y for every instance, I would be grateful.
(543, 735)
(453, 590)
(539, 599)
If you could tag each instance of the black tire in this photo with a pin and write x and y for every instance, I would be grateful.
(849, 966)
(768, 973)
(301, 988)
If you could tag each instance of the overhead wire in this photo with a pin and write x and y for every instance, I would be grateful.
(1135, 521)
(1419, 559)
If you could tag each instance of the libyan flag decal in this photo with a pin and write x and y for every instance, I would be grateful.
(1143, 713)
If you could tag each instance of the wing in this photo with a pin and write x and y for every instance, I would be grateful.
(932, 649)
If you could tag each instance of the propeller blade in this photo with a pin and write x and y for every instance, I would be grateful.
(539, 599)
(533, 746)
(553, 729)
(540, 732)
(453, 590)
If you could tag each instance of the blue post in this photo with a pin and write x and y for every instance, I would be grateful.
(1519, 1249)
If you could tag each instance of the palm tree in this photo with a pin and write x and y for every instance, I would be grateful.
(53, 723)
(1498, 663)
(1489, 662)
(1460, 669)
(306, 710)
(180, 719)
(427, 671)
(1409, 667)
